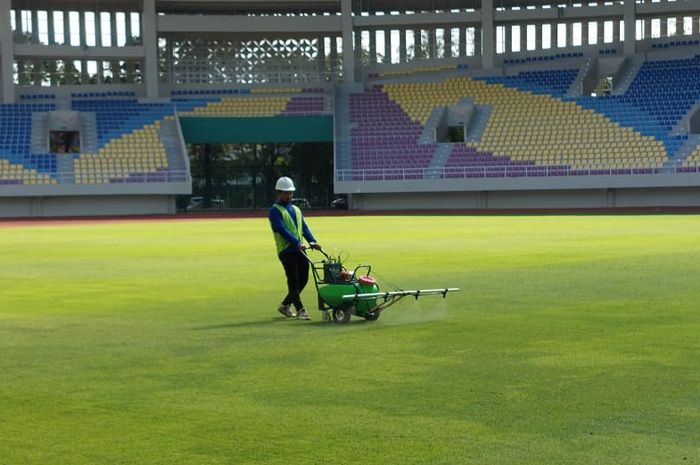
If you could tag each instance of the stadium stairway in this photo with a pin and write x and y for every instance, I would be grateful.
(431, 125)
(343, 125)
(576, 87)
(439, 161)
(65, 166)
(477, 126)
(626, 75)
(88, 128)
(692, 163)
(63, 104)
(683, 124)
(39, 132)
(683, 154)
(170, 138)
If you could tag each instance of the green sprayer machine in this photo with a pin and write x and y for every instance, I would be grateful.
(343, 293)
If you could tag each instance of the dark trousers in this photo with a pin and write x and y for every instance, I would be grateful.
(296, 267)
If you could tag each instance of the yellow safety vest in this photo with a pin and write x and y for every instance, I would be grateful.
(295, 229)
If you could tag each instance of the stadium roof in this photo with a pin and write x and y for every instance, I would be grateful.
(334, 5)
(248, 6)
(79, 5)
(279, 6)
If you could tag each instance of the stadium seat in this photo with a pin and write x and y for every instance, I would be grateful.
(531, 131)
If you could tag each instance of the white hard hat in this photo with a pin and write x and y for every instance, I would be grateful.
(285, 184)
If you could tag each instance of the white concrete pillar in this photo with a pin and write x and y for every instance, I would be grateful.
(321, 56)
(66, 28)
(19, 30)
(447, 40)
(113, 28)
(629, 14)
(116, 71)
(37, 66)
(417, 44)
(488, 36)
(98, 30)
(98, 73)
(478, 42)
(387, 46)
(432, 43)
(35, 27)
(53, 72)
(569, 35)
(332, 69)
(51, 31)
(507, 38)
(348, 50)
(127, 26)
(84, 72)
(150, 48)
(83, 30)
(358, 51)
(664, 28)
(402, 46)
(21, 76)
(647, 28)
(7, 53)
(171, 57)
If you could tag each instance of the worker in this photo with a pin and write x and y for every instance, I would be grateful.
(289, 230)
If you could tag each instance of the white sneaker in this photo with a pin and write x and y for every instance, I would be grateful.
(286, 310)
(302, 315)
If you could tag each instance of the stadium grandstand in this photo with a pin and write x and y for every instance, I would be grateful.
(429, 103)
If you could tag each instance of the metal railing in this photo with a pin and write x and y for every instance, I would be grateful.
(495, 172)
(102, 177)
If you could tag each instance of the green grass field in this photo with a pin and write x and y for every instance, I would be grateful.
(574, 340)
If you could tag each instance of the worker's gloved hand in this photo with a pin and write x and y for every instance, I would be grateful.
(315, 245)
(302, 246)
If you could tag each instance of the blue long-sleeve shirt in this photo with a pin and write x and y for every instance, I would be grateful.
(277, 224)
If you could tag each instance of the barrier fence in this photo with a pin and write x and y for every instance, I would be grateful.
(400, 174)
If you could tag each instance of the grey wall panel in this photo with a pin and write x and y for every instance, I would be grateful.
(683, 197)
(37, 207)
(529, 200)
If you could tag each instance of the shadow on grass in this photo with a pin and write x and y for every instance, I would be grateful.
(315, 323)
(243, 324)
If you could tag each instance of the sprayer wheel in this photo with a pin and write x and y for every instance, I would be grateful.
(341, 315)
(371, 316)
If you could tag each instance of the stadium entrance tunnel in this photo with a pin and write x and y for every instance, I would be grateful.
(209, 130)
(258, 142)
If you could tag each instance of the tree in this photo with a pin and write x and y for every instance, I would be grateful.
(311, 164)
(427, 49)
(273, 158)
(205, 161)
